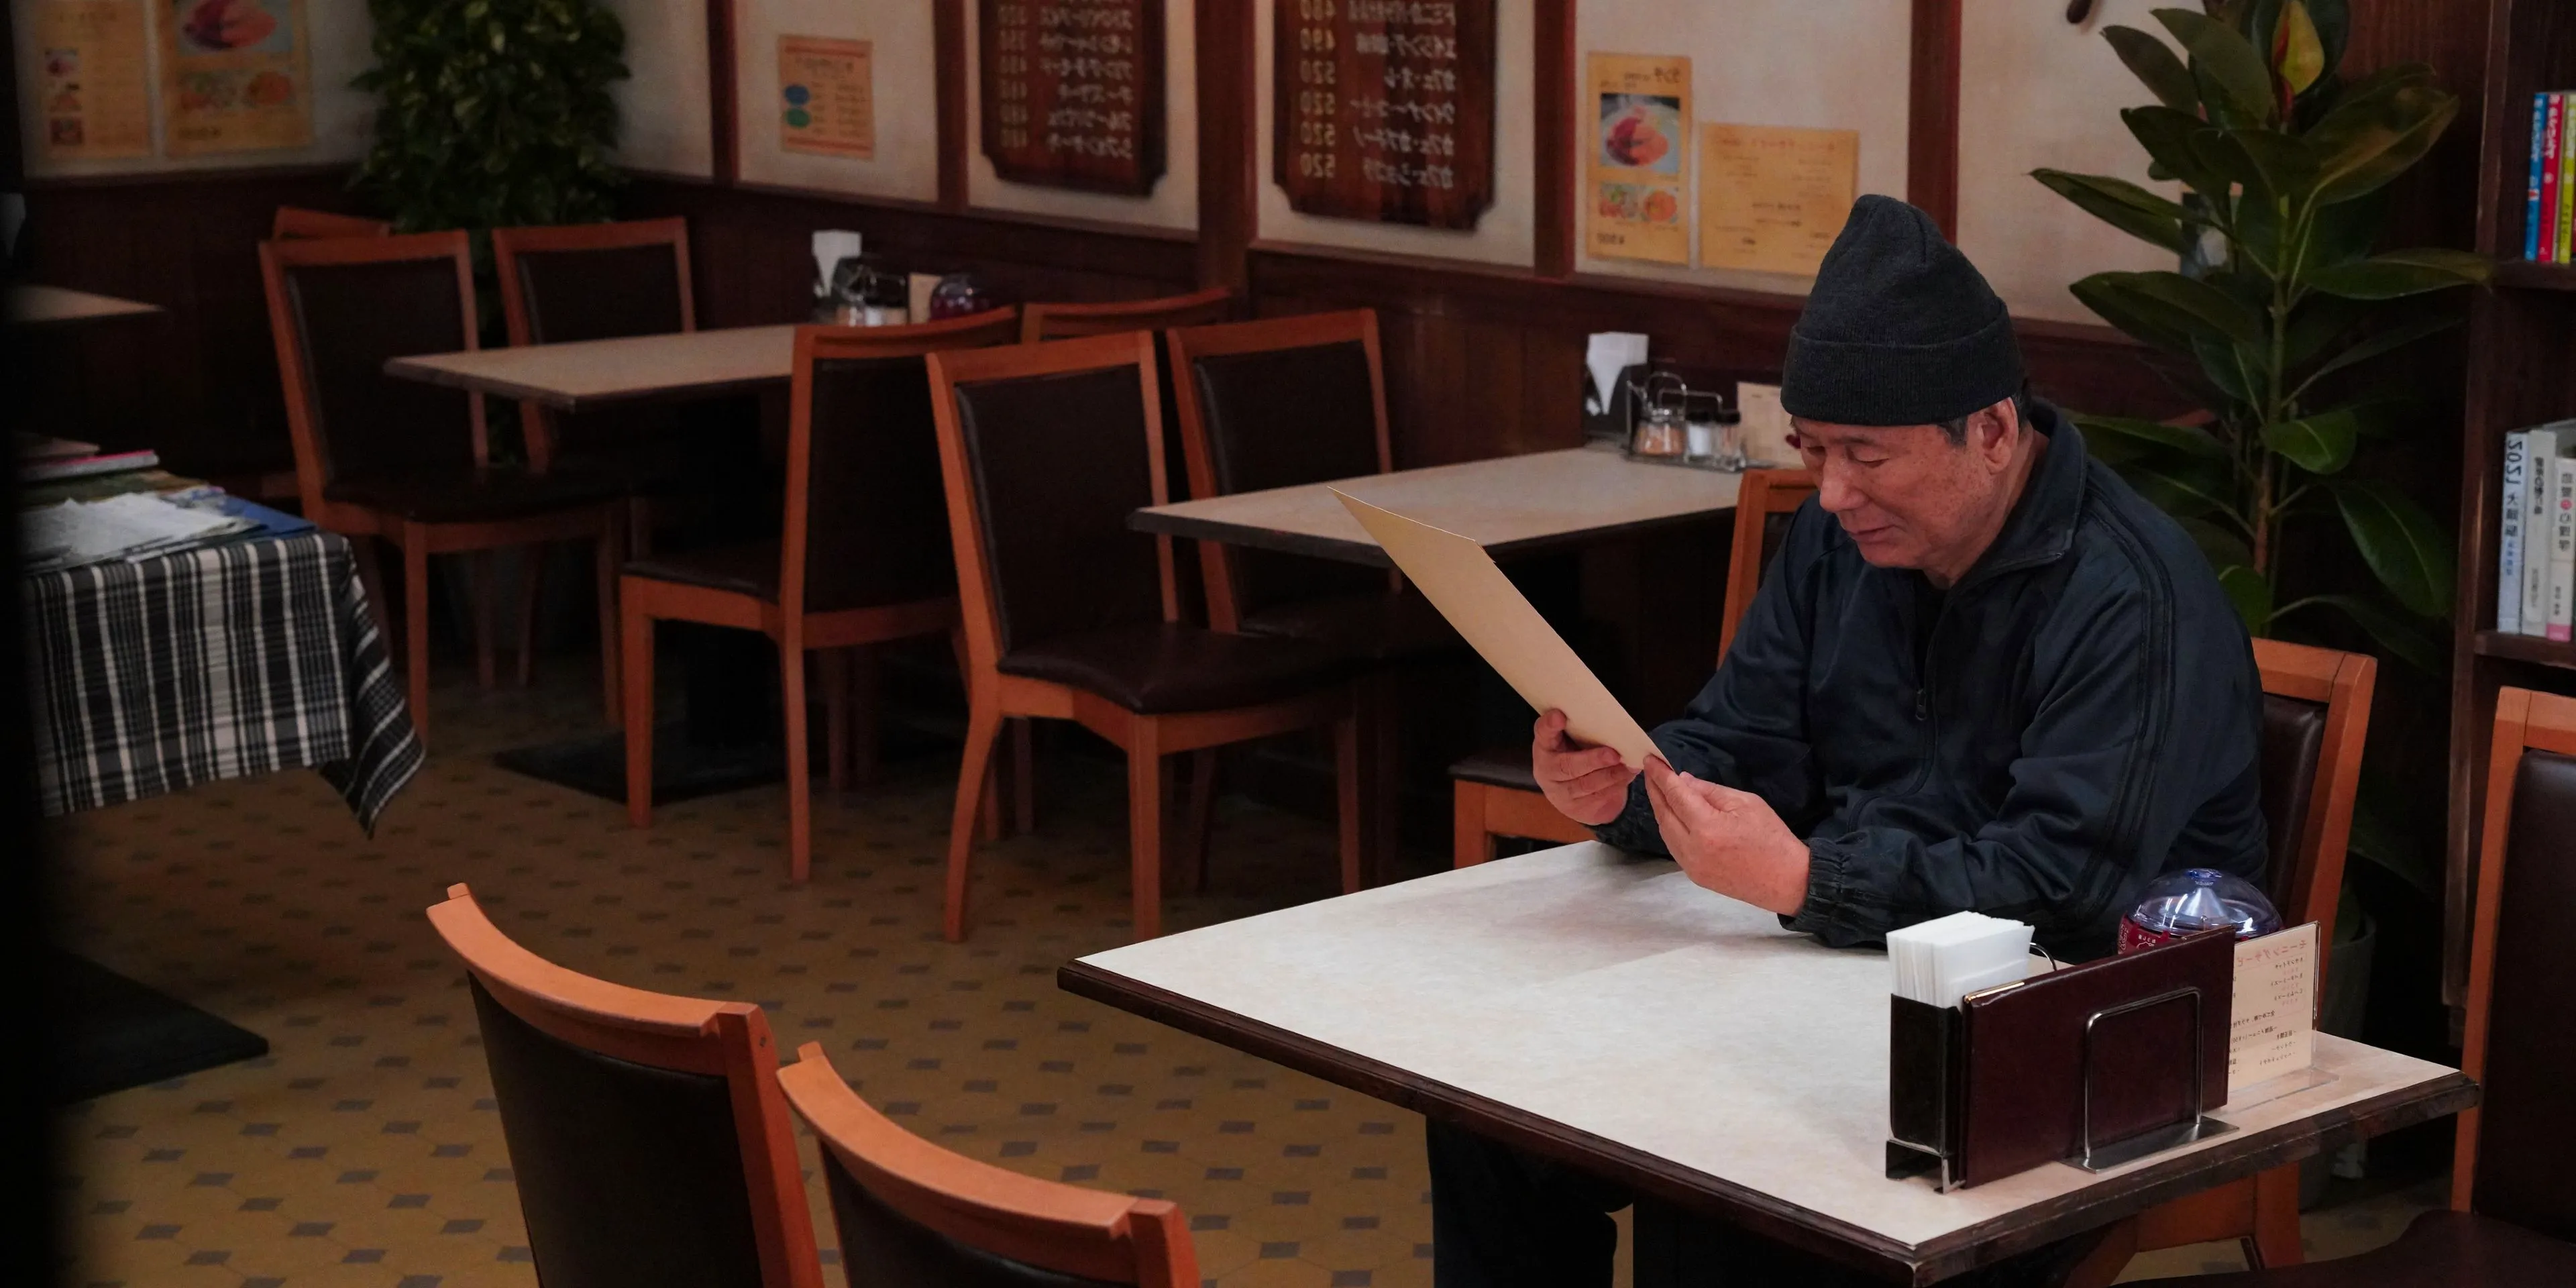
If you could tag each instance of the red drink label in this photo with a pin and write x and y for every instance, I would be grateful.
(2134, 936)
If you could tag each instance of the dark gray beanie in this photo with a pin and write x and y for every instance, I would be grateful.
(1900, 330)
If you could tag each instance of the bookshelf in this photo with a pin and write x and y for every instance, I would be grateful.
(2521, 371)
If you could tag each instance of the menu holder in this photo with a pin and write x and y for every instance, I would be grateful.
(1072, 92)
(2096, 1065)
(1384, 109)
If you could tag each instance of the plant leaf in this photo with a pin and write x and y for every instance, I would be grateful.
(2401, 273)
(2115, 307)
(2251, 594)
(2222, 546)
(2375, 840)
(2318, 444)
(2318, 321)
(2225, 62)
(2388, 341)
(2190, 440)
(2166, 135)
(2403, 637)
(2156, 65)
(2406, 550)
(2182, 488)
(2362, 154)
(2189, 303)
(2121, 204)
(2298, 55)
(2223, 361)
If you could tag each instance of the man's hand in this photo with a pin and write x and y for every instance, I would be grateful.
(1586, 784)
(1728, 841)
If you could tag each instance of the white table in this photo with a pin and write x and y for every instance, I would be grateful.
(1512, 505)
(585, 374)
(52, 306)
(1600, 1009)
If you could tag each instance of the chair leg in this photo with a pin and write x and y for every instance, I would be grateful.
(415, 552)
(1380, 699)
(866, 693)
(531, 583)
(371, 578)
(2276, 1220)
(2107, 1259)
(1201, 820)
(487, 671)
(835, 667)
(800, 786)
(1348, 798)
(637, 675)
(973, 785)
(1024, 779)
(1470, 844)
(639, 527)
(991, 799)
(1145, 828)
(612, 559)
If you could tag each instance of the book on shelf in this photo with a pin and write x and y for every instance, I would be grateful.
(2559, 229)
(72, 467)
(2509, 542)
(2562, 547)
(2531, 203)
(2544, 446)
(2543, 214)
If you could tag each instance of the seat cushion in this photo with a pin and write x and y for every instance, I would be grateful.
(744, 570)
(2442, 1249)
(1166, 667)
(1382, 627)
(473, 496)
(1498, 767)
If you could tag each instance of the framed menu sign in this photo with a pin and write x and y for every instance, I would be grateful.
(1073, 92)
(1384, 109)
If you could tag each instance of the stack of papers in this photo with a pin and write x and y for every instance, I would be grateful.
(131, 526)
(1939, 962)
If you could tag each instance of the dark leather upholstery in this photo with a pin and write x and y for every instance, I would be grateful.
(1159, 667)
(626, 1174)
(600, 294)
(2294, 738)
(2530, 1114)
(883, 1248)
(745, 570)
(1058, 463)
(2441, 1249)
(471, 496)
(876, 527)
(1280, 418)
(1498, 766)
(1375, 627)
(349, 320)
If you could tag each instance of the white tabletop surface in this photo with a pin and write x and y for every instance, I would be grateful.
(1507, 504)
(1609, 994)
(32, 305)
(594, 371)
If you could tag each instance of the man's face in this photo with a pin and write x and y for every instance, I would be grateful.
(1906, 495)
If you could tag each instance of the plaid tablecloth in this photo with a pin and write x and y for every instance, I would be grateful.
(215, 663)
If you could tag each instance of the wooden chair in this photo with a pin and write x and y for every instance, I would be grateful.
(2316, 718)
(297, 222)
(406, 461)
(861, 559)
(1494, 792)
(647, 1133)
(1071, 616)
(2512, 1219)
(913, 1215)
(1040, 322)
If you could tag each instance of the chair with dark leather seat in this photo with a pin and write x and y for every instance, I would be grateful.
(913, 1215)
(649, 1140)
(406, 461)
(862, 558)
(2512, 1219)
(1045, 451)
(296, 222)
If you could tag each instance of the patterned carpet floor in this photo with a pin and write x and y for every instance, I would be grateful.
(365, 1150)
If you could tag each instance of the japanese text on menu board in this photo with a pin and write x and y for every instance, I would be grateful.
(1384, 109)
(1073, 92)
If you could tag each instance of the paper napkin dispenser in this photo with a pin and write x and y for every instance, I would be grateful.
(2096, 1065)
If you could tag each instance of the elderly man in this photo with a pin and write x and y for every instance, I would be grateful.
(1981, 674)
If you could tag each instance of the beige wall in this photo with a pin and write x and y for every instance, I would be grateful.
(343, 118)
(1174, 203)
(663, 116)
(1818, 64)
(2036, 92)
(906, 94)
(1502, 236)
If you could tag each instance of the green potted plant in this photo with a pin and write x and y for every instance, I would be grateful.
(492, 113)
(2278, 300)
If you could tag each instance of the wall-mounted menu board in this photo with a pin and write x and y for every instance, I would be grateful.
(1073, 92)
(1384, 109)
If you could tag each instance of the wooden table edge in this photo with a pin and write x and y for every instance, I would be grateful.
(2242, 1153)
(1158, 520)
(413, 368)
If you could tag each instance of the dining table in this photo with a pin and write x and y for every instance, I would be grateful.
(36, 306)
(1598, 1009)
(585, 375)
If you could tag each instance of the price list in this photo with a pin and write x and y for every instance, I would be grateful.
(1072, 92)
(1384, 109)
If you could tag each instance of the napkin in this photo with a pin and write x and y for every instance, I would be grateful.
(831, 246)
(1938, 962)
(1610, 353)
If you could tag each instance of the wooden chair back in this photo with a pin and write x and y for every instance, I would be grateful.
(865, 524)
(2510, 1160)
(594, 281)
(913, 1215)
(1276, 403)
(648, 1135)
(2316, 717)
(1042, 322)
(338, 309)
(293, 222)
(1042, 461)
(1764, 503)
